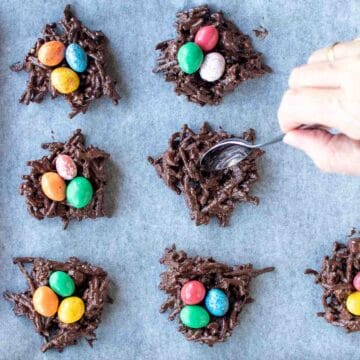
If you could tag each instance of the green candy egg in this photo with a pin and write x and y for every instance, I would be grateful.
(79, 192)
(62, 283)
(194, 316)
(190, 57)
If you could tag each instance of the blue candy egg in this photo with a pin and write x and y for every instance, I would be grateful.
(216, 302)
(76, 57)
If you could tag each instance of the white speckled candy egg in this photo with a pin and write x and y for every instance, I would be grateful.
(213, 67)
(65, 167)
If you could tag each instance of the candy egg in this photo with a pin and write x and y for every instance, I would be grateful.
(356, 281)
(216, 302)
(207, 37)
(45, 301)
(65, 167)
(213, 67)
(79, 192)
(76, 57)
(71, 310)
(53, 186)
(64, 80)
(353, 303)
(194, 316)
(62, 283)
(190, 57)
(192, 292)
(51, 53)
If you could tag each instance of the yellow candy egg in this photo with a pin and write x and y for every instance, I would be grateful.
(64, 80)
(45, 301)
(71, 309)
(53, 186)
(353, 303)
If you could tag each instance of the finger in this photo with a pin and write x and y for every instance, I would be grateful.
(307, 106)
(341, 51)
(329, 108)
(341, 73)
(321, 75)
(331, 153)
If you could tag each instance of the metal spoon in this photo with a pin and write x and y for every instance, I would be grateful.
(231, 151)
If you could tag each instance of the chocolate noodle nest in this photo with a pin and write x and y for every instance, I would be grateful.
(90, 162)
(92, 285)
(336, 278)
(94, 81)
(242, 61)
(233, 280)
(207, 194)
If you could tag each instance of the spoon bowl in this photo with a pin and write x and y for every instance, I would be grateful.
(230, 152)
(224, 155)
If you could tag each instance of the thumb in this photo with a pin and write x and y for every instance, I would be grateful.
(331, 153)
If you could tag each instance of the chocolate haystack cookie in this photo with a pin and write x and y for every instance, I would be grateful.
(236, 60)
(339, 277)
(207, 194)
(90, 287)
(211, 288)
(87, 57)
(68, 183)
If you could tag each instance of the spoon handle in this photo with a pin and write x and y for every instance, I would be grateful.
(281, 137)
(273, 141)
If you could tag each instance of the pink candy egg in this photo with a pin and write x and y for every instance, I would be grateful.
(65, 167)
(356, 281)
(207, 37)
(193, 292)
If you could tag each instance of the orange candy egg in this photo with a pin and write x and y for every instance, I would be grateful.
(51, 53)
(53, 186)
(45, 301)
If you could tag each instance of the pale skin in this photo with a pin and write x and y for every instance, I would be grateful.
(326, 92)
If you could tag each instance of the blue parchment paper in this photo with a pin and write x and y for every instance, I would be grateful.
(301, 211)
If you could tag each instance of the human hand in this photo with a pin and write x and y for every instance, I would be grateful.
(326, 92)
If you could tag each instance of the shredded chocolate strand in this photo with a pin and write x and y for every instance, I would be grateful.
(261, 32)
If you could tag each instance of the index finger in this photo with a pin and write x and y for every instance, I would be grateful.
(308, 106)
(341, 51)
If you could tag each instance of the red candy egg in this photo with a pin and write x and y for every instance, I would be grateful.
(207, 37)
(356, 281)
(193, 292)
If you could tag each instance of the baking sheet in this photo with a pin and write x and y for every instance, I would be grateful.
(301, 211)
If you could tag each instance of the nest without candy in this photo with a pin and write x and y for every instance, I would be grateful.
(89, 161)
(233, 280)
(336, 278)
(207, 194)
(92, 286)
(94, 82)
(242, 61)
